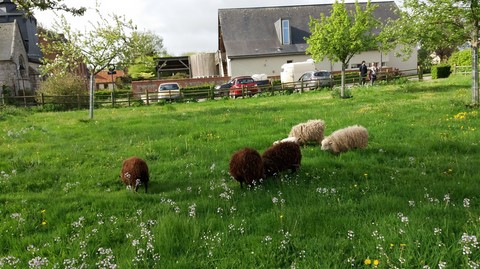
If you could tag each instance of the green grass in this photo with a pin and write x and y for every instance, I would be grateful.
(409, 200)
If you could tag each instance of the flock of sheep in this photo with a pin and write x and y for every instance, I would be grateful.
(248, 166)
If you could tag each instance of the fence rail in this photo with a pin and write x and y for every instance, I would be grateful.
(463, 70)
(149, 98)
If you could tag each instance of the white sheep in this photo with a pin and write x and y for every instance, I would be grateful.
(288, 139)
(345, 139)
(310, 131)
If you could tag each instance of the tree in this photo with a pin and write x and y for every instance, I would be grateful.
(436, 25)
(152, 44)
(64, 90)
(112, 39)
(144, 66)
(342, 35)
(29, 5)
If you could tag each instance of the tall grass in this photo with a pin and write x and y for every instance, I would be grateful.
(410, 200)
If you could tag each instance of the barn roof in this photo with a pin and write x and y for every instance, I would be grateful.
(251, 32)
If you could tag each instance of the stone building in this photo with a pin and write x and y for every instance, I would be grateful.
(19, 51)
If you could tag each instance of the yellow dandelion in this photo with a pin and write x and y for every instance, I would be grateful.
(43, 211)
(403, 245)
(376, 262)
(44, 222)
(367, 261)
(281, 216)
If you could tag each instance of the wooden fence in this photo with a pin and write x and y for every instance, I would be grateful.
(462, 70)
(129, 99)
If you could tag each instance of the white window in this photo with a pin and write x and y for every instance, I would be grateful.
(286, 32)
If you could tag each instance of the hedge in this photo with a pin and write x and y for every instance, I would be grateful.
(441, 71)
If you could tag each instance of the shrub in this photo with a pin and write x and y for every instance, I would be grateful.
(461, 58)
(67, 91)
(440, 71)
(336, 93)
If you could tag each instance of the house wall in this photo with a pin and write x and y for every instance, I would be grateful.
(10, 75)
(271, 65)
(7, 75)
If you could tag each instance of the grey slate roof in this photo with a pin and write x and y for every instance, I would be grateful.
(250, 32)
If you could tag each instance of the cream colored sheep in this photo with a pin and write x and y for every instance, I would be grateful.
(288, 139)
(345, 139)
(310, 131)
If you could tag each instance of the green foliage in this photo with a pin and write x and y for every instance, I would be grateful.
(110, 38)
(461, 58)
(409, 200)
(144, 68)
(441, 71)
(436, 25)
(343, 34)
(63, 90)
(336, 93)
(106, 93)
(30, 5)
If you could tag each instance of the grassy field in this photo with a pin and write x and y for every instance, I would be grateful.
(411, 199)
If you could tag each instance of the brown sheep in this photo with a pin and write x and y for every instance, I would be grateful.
(246, 166)
(134, 173)
(280, 157)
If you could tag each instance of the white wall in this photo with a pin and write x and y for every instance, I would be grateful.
(271, 66)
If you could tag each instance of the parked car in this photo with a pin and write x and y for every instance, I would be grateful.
(315, 79)
(169, 91)
(165, 91)
(236, 85)
(223, 89)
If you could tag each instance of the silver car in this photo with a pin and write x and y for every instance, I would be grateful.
(315, 79)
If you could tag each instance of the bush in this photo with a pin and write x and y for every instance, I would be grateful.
(336, 93)
(461, 58)
(440, 71)
(63, 91)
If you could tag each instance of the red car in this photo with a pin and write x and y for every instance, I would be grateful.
(245, 83)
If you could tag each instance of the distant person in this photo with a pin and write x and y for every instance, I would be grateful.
(363, 73)
(373, 73)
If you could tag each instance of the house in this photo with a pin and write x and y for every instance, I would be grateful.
(19, 52)
(260, 40)
(105, 79)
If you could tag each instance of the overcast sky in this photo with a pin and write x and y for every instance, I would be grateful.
(184, 25)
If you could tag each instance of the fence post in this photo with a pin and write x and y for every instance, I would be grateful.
(273, 90)
(148, 98)
(128, 98)
(112, 96)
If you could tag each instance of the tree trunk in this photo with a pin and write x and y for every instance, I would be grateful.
(474, 7)
(342, 90)
(92, 86)
(475, 73)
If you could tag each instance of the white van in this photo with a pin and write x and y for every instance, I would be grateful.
(291, 72)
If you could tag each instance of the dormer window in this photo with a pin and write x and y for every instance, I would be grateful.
(286, 32)
(282, 26)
